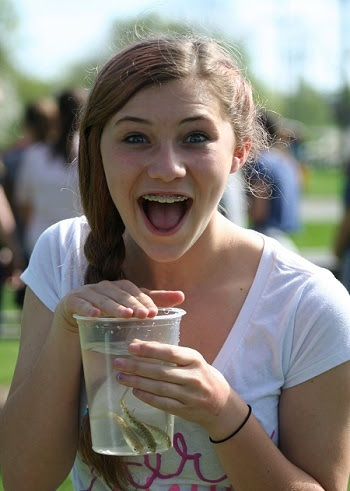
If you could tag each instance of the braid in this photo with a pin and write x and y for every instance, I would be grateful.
(105, 252)
(105, 255)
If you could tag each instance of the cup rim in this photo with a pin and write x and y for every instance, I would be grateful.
(172, 313)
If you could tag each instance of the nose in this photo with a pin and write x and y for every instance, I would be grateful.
(166, 164)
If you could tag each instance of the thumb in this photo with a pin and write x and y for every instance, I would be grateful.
(165, 298)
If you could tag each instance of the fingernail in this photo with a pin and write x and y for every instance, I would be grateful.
(120, 377)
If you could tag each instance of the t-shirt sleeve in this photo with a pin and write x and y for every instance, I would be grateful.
(321, 338)
(54, 264)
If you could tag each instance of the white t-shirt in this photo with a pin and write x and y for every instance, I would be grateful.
(294, 325)
(49, 185)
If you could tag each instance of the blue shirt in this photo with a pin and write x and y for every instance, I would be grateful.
(281, 175)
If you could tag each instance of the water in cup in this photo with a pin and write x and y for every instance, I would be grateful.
(120, 423)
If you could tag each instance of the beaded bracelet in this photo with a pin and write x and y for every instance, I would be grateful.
(237, 430)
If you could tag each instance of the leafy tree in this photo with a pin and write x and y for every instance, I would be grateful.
(309, 106)
(125, 31)
(16, 88)
(341, 106)
(8, 23)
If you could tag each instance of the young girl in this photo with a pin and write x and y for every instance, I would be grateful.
(260, 382)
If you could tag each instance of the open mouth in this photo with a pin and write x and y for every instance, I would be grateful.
(165, 213)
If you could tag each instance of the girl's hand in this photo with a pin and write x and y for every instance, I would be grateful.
(185, 385)
(116, 299)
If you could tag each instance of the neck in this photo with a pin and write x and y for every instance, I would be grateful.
(196, 266)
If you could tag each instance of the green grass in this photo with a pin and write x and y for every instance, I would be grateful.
(7, 302)
(323, 182)
(66, 486)
(8, 357)
(320, 234)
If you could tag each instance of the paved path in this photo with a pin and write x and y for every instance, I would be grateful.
(318, 210)
(321, 209)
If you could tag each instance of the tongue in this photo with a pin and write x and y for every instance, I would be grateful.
(164, 215)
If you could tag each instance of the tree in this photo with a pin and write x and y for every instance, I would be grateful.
(16, 88)
(8, 22)
(125, 31)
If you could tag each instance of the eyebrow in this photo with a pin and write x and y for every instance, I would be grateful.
(136, 119)
(133, 119)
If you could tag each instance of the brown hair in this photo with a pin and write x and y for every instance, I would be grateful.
(147, 62)
(40, 119)
(69, 104)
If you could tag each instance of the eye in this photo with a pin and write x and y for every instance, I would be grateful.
(196, 137)
(135, 138)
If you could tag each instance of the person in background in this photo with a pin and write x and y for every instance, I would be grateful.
(275, 186)
(342, 237)
(45, 190)
(10, 254)
(39, 126)
(12, 262)
(259, 384)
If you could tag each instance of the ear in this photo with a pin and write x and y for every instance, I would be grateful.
(240, 156)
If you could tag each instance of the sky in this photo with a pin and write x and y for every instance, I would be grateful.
(286, 39)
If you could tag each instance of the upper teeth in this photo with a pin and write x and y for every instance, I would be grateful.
(161, 198)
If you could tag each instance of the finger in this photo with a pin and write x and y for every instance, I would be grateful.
(143, 300)
(155, 387)
(130, 367)
(107, 306)
(81, 306)
(165, 298)
(123, 294)
(177, 355)
(164, 403)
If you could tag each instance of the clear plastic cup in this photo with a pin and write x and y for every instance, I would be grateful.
(120, 423)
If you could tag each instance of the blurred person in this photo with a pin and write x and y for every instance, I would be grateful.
(275, 186)
(39, 126)
(294, 134)
(12, 261)
(342, 238)
(46, 188)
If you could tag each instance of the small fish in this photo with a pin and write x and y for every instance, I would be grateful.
(159, 435)
(138, 426)
(128, 434)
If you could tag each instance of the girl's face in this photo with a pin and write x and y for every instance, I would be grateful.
(167, 155)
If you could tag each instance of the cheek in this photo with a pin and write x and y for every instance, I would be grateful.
(114, 168)
(217, 168)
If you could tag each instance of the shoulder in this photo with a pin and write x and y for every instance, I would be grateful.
(317, 285)
(315, 308)
(65, 234)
